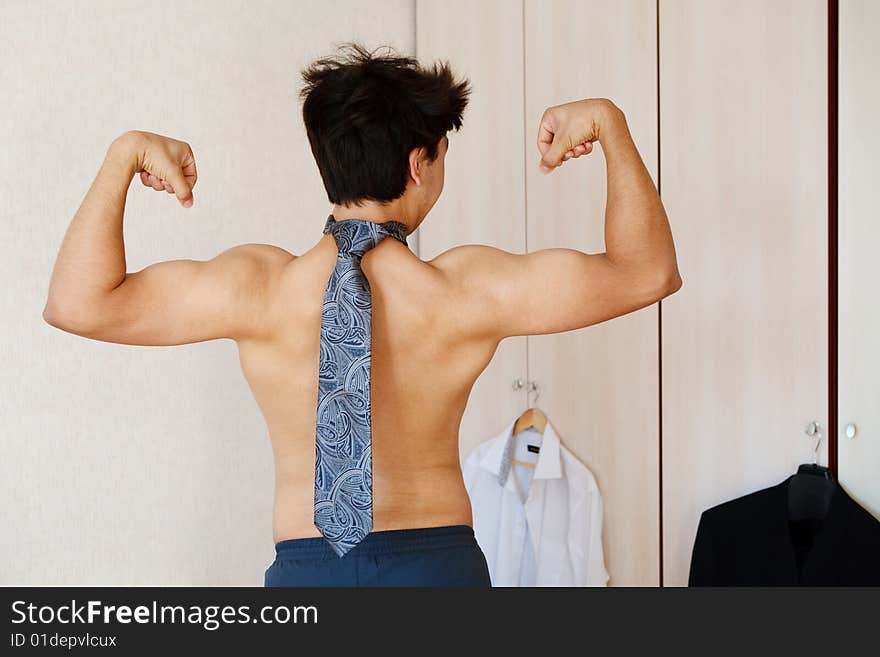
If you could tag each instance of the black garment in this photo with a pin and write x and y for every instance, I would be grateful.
(446, 556)
(750, 541)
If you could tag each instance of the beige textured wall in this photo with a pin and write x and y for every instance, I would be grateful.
(148, 465)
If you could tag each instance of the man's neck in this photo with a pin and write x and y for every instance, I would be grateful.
(376, 212)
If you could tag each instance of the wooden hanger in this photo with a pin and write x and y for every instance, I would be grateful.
(531, 417)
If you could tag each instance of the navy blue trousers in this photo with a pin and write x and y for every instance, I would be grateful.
(430, 556)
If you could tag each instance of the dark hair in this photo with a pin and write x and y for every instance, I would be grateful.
(364, 112)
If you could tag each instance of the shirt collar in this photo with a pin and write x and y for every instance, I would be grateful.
(497, 458)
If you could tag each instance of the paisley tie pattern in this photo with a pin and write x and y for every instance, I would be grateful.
(343, 443)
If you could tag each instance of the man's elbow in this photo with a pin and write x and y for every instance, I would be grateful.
(68, 318)
(665, 283)
(673, 282)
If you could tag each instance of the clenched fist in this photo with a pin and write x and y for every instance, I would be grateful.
(165, 164)
(569, 130)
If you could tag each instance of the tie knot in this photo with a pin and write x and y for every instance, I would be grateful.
(357, 236)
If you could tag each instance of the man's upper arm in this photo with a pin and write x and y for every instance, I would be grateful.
(546, 291)
(185, 301)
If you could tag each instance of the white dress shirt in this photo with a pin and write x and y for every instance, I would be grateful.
(538, 526)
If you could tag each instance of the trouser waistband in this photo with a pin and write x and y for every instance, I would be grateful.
(382, 542)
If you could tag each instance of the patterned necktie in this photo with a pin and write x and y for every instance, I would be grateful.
(343, 444)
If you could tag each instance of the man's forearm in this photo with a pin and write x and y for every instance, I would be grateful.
(91, 260)
(637, 233)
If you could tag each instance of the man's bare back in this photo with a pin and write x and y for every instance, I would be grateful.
(436, 324)
(424, 362)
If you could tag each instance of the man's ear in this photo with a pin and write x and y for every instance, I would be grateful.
(416, 157)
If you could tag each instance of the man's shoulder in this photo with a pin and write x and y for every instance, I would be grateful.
(260, 253)
(252, 270)
(468, 260)
(475, 275)
(251, 260)
(474, 267)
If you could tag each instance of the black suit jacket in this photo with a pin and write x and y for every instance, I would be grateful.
(749, 542)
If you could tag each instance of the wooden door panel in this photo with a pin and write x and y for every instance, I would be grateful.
(744, 180)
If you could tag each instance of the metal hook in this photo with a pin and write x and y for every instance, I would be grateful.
(533, 387)
(815, 429)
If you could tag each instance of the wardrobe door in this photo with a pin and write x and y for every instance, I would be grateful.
(858, 266)
(483, 201)
(743, 124)
(598, 385)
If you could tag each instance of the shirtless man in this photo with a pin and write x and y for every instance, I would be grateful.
(436, 324)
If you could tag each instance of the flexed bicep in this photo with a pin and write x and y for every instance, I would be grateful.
(185, 301)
